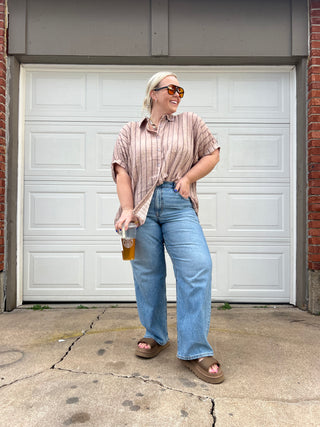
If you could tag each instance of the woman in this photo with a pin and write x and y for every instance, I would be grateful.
(156, 163)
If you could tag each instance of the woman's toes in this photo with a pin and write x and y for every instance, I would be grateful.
(144, 345)
(214, 369)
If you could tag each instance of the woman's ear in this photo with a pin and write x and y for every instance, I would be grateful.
(153, 95)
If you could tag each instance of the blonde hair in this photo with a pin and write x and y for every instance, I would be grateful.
(151, 85)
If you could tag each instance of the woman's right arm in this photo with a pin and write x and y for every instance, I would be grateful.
(125, 196)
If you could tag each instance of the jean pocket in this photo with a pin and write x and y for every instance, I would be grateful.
(181, 197)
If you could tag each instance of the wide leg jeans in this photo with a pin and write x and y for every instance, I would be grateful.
(173, 223)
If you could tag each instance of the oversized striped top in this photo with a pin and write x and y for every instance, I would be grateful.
(151, 157)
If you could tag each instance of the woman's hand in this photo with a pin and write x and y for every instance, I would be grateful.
(126, 217)
(198, 171)
(183, 186)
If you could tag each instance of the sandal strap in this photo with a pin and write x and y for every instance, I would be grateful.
(149, 341)
(207, 362)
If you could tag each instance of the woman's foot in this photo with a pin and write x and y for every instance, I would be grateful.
(148, 347)
(206, 368)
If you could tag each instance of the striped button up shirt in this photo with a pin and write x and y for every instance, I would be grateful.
(151, 157)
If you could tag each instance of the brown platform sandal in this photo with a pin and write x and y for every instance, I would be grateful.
(155, 349)
(201, 369)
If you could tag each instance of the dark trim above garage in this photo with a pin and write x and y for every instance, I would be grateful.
(165, 28)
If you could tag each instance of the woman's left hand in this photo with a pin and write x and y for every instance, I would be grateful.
(183, 186)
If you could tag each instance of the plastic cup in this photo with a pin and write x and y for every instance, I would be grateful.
(128, 240)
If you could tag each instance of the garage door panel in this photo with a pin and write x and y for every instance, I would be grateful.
(117, 91)
(259, 271)
(63, 210)
(48, 269)
(260, 96)
(252, 272)
(246, 211)
(258, 154)
(48, 93)
(54, 150)
(56, 210)
(252, 152)
(69, 151)
(257, 212)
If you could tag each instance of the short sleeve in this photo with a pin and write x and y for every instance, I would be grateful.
(204, 142)
(121, 151)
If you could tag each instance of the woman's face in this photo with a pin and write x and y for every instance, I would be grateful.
(164, 103)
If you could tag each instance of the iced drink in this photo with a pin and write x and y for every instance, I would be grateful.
(128, 240)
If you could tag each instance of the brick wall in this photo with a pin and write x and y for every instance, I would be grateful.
(3, 68)
(314, 138)
(314, 157)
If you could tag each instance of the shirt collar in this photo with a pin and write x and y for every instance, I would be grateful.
(169, 117)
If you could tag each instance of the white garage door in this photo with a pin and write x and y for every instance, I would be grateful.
(71, 120)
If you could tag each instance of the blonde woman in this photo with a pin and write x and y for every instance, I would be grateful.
(156, 164)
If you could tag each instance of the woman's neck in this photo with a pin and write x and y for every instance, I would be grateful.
(156, 116)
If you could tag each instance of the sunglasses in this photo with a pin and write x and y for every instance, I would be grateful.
(172, 89)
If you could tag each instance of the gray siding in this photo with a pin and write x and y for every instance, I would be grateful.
(170, 28)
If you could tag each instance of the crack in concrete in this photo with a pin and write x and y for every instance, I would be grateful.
(212, 413)
(62, 358)
(22, 379)
(78, 338)
(271, 400)
(139, 377)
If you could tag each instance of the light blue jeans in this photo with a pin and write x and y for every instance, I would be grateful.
(172, 222)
